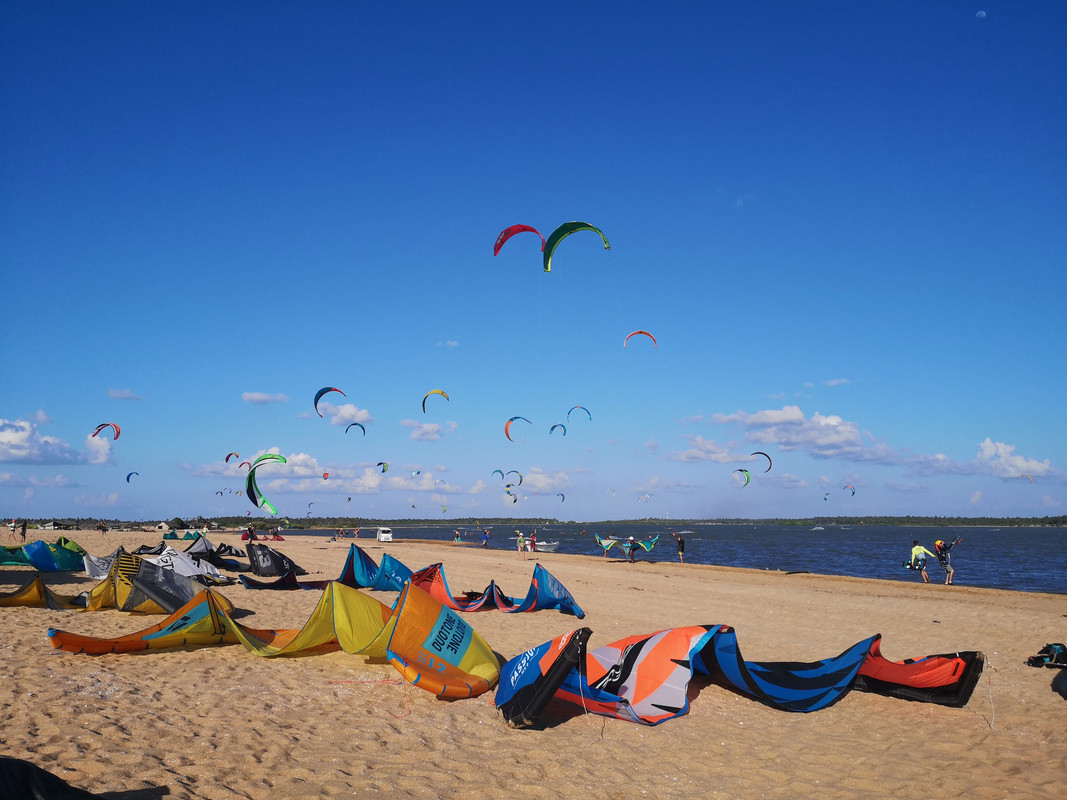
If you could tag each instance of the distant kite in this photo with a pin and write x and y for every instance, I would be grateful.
(1029, 478)
(563, 231)
(252, 489)
(138, 474)
(516, 472)
(850, 486)
(646, 333)
(356, 425)
(384, 465)
(325, 475)
(769, 462)
(559, 425)
(232, 455)
(747, 474)
(507, 426)
(103, 425)
(575, 408)
(432, 391)
(321, 392)
(507, 233)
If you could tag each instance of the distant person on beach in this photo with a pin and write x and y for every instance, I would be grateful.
(630, 546)
(101, 527)
(681, 547)
(485, 538)
(458, 537)
(918, 559)
(22, 530)
(520, 543)
(533, 542)
(944, 557)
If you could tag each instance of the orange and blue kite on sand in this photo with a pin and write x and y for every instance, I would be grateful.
(545, 592)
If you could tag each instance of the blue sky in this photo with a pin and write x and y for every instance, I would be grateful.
(843, 222)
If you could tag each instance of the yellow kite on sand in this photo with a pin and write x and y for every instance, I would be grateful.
(431, 645)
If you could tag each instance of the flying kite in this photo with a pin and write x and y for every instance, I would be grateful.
(507, 426)
(249, 463)
(356, 425)
(826, 496)
(559, 425)
(138, 474)
(252, 489)
(432, 391)
(495, 471)
(769, 462)
(103, 425)
(563, 231)
(325, 475)
(384, 465)
(646, 333)
(748, 476)
(516, 472)
(232, 455)
(507, 233)
(321, 392)
(416, 472)
(575, 408)
(1029, 478)
(850, 486)
(561, 497)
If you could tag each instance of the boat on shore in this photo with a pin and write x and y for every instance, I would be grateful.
(545, 547)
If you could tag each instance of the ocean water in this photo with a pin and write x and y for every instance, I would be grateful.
(1021, 559)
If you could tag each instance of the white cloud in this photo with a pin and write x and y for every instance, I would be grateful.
(1048, 501)
(123, 394)
(345, 414)
(22, 442)
(703, 450)
(976, 498)
(537, 480)
(263, 398)
(99, 449)
(41, 418)
(837, 381)
(427, 432)
(479, 487)
(105, 499)
(821, 436)
(1000, 458)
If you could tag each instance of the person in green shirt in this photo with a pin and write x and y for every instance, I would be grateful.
(918, 559)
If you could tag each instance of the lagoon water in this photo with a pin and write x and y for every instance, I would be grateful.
(1028, 559)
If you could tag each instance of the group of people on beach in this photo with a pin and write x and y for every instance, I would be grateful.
(22, 529)
(943, 556)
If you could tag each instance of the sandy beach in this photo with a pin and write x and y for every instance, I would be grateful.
(221, 723)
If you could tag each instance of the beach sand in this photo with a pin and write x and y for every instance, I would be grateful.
(221, 723)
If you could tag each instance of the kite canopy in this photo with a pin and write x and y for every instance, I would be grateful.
(507, 426)
(545, 592)
(431, 646)
(356, 425)
(252, 488)
(321, 392)
(747, 474)
(103, 425)
(635, 333)
(432, 391)
(507, 233)
(583, 408)
(769, 462)
(563, 231)
(645, 678)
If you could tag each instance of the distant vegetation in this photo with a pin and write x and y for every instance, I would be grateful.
(361, 522)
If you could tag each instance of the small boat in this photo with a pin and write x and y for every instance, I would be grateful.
(384, 534)
(818, 528)
(546, 547)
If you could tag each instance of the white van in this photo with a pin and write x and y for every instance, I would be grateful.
(385, 534)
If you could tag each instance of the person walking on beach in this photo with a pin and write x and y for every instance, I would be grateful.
(918, 559)
(630, 546)
(520, 543)
(22, 530)
(681, 547)
(533, 542)
(944, 557)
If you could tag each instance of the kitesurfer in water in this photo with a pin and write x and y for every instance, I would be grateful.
(918, 559)
(944, 557)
